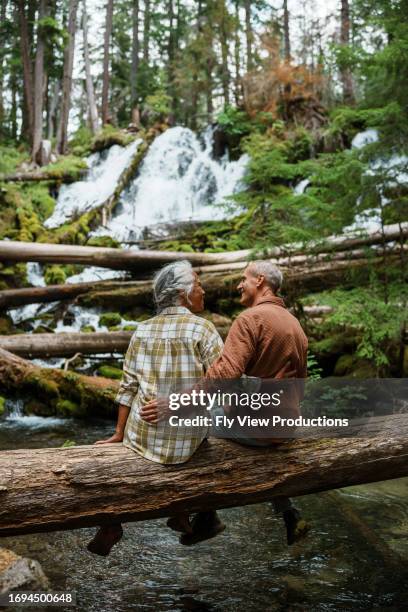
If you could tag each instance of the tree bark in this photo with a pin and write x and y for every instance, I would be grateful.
(44, 490)
(62, 137)
(224, 52)
(286, 31)
(3, 9)
(106, 62)
(93, 394)
(146, 31)
(90, 92)
(135, 53)
(27, 71)
(39, 84)
(237, 53)
(52, 110)
(345, 72)
(249, 36)
(66, 344)
(145, 261)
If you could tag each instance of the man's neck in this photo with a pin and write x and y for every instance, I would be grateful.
(263, 295)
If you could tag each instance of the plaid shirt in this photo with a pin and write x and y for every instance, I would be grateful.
(170, 347)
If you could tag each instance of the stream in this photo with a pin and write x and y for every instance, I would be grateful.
(249, 567)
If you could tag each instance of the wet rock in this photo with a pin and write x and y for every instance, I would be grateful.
(20, 573)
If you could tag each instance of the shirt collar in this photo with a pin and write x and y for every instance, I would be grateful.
(175, 310)
(272, 299)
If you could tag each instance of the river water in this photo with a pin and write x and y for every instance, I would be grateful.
(355, 557)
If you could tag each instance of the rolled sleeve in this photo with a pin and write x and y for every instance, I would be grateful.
(129, 384)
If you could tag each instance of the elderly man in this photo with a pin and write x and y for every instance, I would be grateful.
(265, 341)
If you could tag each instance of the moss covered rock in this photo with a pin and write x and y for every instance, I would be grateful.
(2, 405)
(87, 329)
(109, 371)
(68, 408)
(110, 319)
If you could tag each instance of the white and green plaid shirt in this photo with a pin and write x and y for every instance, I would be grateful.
(175, 345)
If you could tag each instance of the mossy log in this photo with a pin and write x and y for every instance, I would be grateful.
(86, 395)
(38, 176)
(66, 344)
(145, 261)
(52, 489)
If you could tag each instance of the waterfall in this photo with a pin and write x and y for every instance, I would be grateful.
(178, 181)
(105, 169)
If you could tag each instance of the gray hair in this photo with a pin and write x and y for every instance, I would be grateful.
(273, 276)
(169, 281)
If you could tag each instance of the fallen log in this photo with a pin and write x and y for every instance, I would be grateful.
(52, 489)
(145, 261)
(298, 280)
(38, 176)
(66, 344)
(51, 388)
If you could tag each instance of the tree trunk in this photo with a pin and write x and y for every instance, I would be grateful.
(286, 31)
(39, 84)
(345, 72)
(237, 53)
(52, 110)
(224, 53)
(90, 93)
(93, 395)
(50, 489)
(106, 63)
(66, 344)
(3, 7)
(248, 34)
(146, 31)
(144, 261)
(27, 70)
(135, 53)
(62, 137)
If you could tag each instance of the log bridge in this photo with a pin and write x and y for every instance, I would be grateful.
(52, 489)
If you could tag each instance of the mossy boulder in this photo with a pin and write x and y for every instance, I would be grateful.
(87, 329)
(129, 327)
(110, 319)
(109, 136)
(54, 275)
(344, 365)
(2, 405)
(68, 408)
(109, 371)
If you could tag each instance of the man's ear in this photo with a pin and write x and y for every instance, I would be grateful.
(260, 279)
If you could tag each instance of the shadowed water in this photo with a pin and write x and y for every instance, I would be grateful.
(340, 566)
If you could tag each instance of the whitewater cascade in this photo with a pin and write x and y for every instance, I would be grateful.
(105, 169)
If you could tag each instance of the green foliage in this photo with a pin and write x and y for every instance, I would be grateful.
(375, 322)
(81, 142)
(11, 158)
(234, 122)
(68, 444)
(158, 105)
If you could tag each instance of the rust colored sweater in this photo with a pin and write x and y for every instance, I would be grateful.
(265, 341)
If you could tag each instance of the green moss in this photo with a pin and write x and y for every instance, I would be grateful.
(68, 168)
(87, 329)
(110, 372)
(103, 241)
(110, 319)
(43, 329)
(2, 405)
(344, 365)
(68, 444)
(68, 408)
(54, 275)
(129, 327)
(109, 136)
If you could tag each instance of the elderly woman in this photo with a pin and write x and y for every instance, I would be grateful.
(174, 345)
